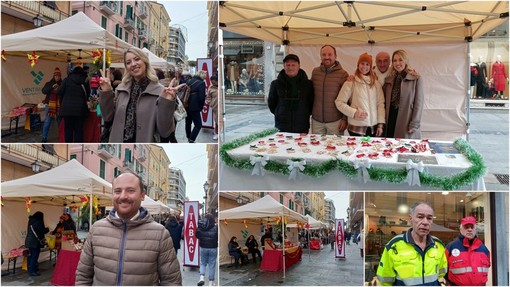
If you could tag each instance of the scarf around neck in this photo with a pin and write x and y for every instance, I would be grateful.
(137, 88)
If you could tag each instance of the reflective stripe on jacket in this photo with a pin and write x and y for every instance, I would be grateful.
(403, 263)
(467, 264)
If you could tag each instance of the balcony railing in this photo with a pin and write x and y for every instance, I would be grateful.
(106, 150)
(109, 7)
(129, 24)
(143, 12)
(129, 166)
(142, 33)
(31, 153)
(36, 7)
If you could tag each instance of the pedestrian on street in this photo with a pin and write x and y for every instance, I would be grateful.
(332, 239)
(52, 101)
(128, 247)
(291, 97)
(207, 234)
(35, 234)
(268, 235)
(328, 79)
(196, 103)
(74, 93)
(361, 239)
(468, 258)
(142, 110)
(415, 257)
(212, 98)
(175, 230)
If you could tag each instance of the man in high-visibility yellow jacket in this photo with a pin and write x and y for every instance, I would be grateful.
(414, 258)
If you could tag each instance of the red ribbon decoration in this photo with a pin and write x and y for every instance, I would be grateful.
(33, 59)
(3, 56)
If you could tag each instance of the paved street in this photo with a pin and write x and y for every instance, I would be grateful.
(190, 275)
(489, 134)
(25, 136)
(320, 268)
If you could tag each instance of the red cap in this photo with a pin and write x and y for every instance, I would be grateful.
(468, 220)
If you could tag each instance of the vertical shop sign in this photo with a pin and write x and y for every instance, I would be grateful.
(190, 239)
(205, 64)
(339, 239)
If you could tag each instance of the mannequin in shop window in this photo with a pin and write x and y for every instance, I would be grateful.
(474, 76)
(481, 80)
(253, 71)
(233, 75)
(499, 77)
(243, 81)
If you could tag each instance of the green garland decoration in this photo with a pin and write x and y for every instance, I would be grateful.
(477, 169)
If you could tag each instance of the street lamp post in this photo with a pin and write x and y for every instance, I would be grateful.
(206, 190)
(36, 166)
(348, 217)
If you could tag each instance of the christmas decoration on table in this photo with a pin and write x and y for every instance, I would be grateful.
(384, 147)
(3, 56)
(98, 58)
(225, 221)
(33, 59)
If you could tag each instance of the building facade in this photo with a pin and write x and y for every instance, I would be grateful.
(159, 29)
(19, 16)
(329, 212)
(177, 190)
(178, 36)
(212, 45)
(211, 189)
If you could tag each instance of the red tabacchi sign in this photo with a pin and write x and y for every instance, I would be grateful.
(339, 239)
(191, 248)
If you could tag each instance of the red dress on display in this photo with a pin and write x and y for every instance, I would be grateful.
(499, 76)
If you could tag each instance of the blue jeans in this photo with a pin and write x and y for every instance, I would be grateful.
(47, 124)
(208, 257)
(32, 260)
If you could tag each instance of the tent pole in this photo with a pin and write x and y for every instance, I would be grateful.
(283, 238)
(468, 101)
(221, 73)
(91, 202)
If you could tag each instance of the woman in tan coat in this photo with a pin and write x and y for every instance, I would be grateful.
(143, 110)
(404, 99)
(212, 98)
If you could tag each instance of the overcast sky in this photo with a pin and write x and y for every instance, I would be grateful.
(192, 15)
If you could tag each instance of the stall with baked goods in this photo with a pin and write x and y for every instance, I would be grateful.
(285, 161)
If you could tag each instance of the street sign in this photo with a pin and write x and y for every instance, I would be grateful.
(191, 248)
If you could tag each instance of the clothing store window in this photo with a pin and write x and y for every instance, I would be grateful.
(244, 67)
(387, 215)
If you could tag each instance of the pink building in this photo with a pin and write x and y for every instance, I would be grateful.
(127, 20)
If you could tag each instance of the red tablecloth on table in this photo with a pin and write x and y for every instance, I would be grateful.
(315, 244)
(64, 273)
(273, 259)
(91, 129)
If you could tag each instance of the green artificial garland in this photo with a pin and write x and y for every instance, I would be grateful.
(391, 175)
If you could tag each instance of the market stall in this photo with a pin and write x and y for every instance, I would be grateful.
(77, 38)
(48, 192)
(270, 160)
(273, 260)
(64, 273)
(251, 216)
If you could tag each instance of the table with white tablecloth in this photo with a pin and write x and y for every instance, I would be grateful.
(284, 161)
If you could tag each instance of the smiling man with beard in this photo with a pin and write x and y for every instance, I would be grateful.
(128, 247)
(414, 258)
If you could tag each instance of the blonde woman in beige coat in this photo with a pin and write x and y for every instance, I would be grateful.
(404, 99)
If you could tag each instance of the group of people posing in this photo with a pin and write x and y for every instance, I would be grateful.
(386, 100)
(135, 106)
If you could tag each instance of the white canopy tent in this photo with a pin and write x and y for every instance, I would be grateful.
(74, 37)
(153, 206)
(48, 190)
(312, 222)
(266, 207)
(77, 35)
(436, 34)
(155, 61)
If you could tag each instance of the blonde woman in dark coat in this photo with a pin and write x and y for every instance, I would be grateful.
(404, 99)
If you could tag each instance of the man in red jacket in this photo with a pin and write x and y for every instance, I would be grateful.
(468, 258)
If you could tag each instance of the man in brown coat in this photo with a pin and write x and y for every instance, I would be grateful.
(327, 80)
(128, 247)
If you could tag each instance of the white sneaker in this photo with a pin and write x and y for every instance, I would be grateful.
(215, 137)
(211, 283)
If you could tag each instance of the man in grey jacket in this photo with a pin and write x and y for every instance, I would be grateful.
(128, 247)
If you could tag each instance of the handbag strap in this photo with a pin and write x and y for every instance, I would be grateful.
(84, 91)
(31, 227)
